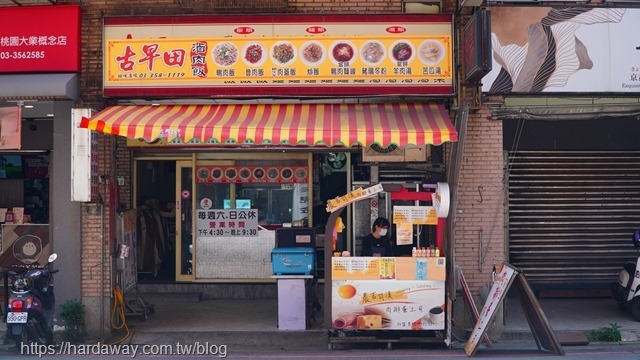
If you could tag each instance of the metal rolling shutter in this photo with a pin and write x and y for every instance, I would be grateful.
(571, 215)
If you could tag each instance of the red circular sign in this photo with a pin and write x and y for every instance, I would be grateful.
(374, 203)
(185, 194)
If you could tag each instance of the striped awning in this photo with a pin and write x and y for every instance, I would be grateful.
(312, 124)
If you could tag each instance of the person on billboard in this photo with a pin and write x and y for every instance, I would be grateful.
(378, 242)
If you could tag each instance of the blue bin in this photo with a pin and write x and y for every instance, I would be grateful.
(293, 260)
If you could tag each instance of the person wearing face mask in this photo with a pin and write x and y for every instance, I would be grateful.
(378, 242)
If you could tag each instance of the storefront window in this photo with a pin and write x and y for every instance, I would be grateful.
(24, 187)
(279, 193)
(274, 204)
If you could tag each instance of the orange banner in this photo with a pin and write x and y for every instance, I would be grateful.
(388, 268)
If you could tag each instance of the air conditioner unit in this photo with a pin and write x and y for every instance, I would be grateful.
(393, 153)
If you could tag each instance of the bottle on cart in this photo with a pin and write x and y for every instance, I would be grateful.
(8, 217)
(427, 252)
(414, 252)
(437, 252)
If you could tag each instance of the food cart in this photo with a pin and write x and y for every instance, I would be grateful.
(390, 299)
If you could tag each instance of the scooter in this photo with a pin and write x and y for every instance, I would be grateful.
(31, 305)
(626, 291)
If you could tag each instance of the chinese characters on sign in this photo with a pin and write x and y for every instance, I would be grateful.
(40, 39)
(411, 54)
(503, 280)
(353, 196)
(165, 60)
(227, 222)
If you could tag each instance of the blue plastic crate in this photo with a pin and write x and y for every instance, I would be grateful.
(293, 260)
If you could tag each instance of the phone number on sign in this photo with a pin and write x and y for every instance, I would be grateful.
(5, 55)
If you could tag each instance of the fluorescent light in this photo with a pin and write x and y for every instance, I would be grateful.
(49, 115)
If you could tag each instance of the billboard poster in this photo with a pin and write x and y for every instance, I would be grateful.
(569, 49)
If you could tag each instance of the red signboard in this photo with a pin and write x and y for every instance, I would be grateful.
(40, 39)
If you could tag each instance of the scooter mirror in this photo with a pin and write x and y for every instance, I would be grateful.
(52, 257)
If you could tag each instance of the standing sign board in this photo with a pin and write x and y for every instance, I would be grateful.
(542, 331)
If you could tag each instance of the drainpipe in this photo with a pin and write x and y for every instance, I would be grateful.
(101, 204)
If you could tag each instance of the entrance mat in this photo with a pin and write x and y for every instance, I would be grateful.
(570, 338)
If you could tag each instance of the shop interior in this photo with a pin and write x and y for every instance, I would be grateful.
(156, 194)
(24, 172)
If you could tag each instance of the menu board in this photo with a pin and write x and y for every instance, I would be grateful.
(388, 268)
(409, 56)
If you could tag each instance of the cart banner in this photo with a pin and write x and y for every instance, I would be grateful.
(388, 268)
(301, 55)
(24, 246)
(387, 305)
(227, 223)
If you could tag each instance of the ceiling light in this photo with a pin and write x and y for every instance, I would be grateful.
(28, 106)
(49, 115)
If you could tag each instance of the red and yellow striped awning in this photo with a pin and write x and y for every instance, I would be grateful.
(312, 124)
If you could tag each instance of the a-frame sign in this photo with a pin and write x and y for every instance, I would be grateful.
(543, 334)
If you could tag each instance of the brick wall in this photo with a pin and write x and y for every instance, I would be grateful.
(479, 233)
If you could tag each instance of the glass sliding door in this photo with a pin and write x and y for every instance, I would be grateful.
(184, 221)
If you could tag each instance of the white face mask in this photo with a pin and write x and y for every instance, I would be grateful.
(383, 232)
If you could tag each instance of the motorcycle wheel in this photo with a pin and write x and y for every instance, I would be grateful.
(635, 309)
(40, 334)
(23, 338)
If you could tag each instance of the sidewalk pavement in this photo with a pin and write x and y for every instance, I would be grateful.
(253, 323)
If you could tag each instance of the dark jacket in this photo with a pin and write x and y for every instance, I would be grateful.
(371, 245)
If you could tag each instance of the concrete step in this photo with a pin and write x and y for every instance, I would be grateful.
(168, 297)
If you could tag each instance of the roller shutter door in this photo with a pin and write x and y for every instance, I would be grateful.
(571, 215)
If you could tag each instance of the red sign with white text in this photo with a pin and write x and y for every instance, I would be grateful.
(40, 39)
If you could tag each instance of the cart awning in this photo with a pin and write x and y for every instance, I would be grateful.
(311, 124)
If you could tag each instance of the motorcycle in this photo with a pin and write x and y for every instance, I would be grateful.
(31, 305)
(626, 291)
